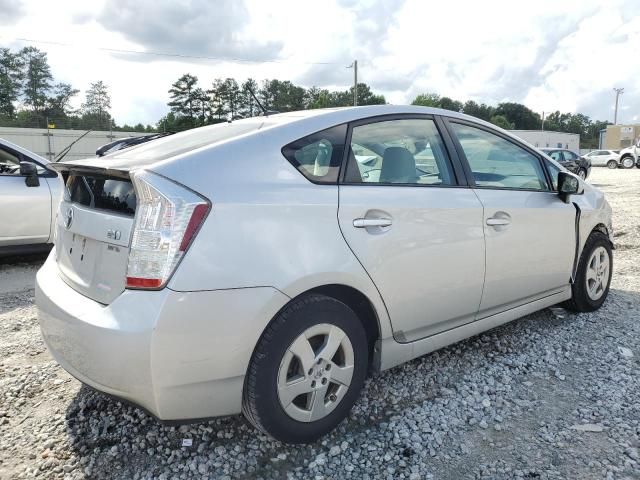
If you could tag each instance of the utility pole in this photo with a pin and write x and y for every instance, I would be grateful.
(542, 127)
(619, 91)
(354, 65)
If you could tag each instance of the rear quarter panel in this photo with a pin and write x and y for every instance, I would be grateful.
(269, 226)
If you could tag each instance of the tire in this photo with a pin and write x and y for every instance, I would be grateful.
(582, 173)
(585, 296)
(274, 364)
(612, 164)
(627, 161)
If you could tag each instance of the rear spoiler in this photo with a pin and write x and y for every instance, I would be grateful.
(89, 170)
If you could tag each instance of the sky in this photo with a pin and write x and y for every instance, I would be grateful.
(550, 55)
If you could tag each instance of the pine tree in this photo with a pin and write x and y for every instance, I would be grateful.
(37, 78)
(11, 76)
(184, 97)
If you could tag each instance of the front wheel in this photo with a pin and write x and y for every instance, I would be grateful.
(582, 173)
(627, 162)
(307, 370)
(612, 164)
(591, 285)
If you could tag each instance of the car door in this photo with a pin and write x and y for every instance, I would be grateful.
(529, 230)
(416, 231)
(600, 158)
(25, 213)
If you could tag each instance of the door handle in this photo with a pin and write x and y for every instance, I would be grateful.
(372, 222)
(498, 221)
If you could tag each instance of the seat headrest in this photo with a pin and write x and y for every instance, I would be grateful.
(398, 166)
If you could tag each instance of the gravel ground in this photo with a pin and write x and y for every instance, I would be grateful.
(551, 396)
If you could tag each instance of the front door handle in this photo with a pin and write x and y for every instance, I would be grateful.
(372, 222)
(497, 221)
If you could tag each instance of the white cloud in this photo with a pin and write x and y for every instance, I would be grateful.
(548, 54)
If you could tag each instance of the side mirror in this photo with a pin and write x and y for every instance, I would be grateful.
(569, 184)
(30, 172)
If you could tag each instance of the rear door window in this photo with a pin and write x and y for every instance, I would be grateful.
(402, 151)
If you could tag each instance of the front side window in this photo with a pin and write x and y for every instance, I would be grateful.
(556, 155)
(553, 173)
(403, 151)
(497, 162)
(318, 156)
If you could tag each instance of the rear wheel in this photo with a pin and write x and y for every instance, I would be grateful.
(582, 173)
(612, 164)
(627, 162)
(591, 285)
(307, 370)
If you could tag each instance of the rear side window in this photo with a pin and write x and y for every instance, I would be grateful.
(318, 156)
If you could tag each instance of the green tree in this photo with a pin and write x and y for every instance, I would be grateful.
(11, 76)
(366, 96)
(248, 106)
(481, 111)
(427, 100)
(183, 94)
(502, 122)
(37, 78)
(519, 115)
(450, 104)
(59, 103)
(95, 108)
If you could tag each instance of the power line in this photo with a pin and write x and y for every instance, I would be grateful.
(172, 55)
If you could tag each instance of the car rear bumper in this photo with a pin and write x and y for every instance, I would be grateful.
(179, 355)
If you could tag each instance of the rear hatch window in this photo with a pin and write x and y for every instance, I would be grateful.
(101, 192)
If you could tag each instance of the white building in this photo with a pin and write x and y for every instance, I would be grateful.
(548, 139)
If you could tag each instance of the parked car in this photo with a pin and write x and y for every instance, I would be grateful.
(630, 156)
(259, 266)
(570, 160)
(123, 143)
(29, 194)
(604, 158)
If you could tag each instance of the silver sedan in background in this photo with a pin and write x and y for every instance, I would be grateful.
(269, 265)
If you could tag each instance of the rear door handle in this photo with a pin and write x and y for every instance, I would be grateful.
(372, 222)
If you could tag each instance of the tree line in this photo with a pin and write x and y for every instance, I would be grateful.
(227, 99)
(516, 116)
(29, 97)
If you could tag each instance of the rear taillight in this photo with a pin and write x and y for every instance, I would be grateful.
(168, 217)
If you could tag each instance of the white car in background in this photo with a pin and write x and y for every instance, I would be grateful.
(29, 195)
(630, 156)
(604, 158)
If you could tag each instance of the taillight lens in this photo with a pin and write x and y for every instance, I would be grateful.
(168, 216)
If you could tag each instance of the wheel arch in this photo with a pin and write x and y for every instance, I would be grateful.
(359, 302)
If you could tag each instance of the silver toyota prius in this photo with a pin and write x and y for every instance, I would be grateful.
(268, 265)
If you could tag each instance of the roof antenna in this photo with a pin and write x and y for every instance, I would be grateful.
(265, 112)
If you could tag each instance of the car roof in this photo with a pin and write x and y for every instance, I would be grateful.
(24, 151)
(288, 126)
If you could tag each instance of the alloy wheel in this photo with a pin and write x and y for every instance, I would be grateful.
(627, 162)
(315, 372)
(598, 273)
